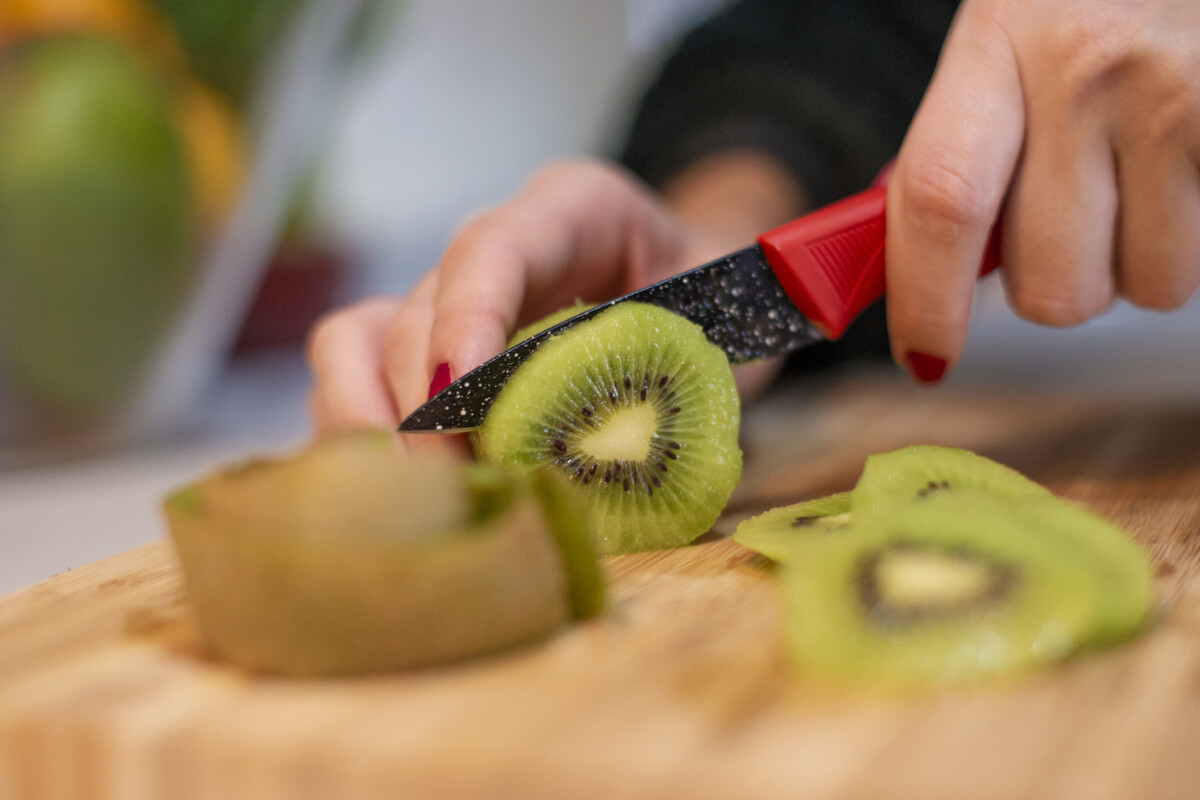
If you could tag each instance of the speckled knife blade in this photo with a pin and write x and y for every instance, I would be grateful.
(737, 300)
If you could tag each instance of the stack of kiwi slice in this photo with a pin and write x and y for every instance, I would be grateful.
(636, 408)
(945, 567)
(352, 557)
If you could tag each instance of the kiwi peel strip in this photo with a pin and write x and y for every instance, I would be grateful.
(347, 558)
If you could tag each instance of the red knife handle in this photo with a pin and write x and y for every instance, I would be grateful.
(831, 262)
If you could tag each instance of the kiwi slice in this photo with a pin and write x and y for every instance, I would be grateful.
(549, 321)
(921, 471)
(961, 586)
(1121, 566)
(782, 533)
(351, 557)
(640, 411)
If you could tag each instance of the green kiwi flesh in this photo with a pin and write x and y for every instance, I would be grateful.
(958, 587)
(350, 557)
(638, 409)
(920, 471)
(1121, 567)
(783, 533)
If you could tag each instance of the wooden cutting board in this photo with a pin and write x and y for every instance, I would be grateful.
(683, 690)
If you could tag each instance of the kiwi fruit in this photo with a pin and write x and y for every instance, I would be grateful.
(352, 557)
(640, 411)
(549, 321)
(570, 527)
(921, 471)
(960, 586)
(1121, 566)
(782, 533)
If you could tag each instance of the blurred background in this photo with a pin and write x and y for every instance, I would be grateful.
(185, 185)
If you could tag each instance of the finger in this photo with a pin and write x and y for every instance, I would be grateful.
(1158, 243)
(345, 353)
(945, 194)
(484, 275)
(406, 347)
(576, 231)
(1061, 218)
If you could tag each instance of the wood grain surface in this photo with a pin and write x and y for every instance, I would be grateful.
(682, 690)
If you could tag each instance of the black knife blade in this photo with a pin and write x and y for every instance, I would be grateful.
(737, 300)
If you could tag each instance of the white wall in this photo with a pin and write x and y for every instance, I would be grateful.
(470, 96)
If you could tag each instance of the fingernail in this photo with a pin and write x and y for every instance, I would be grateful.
(441, 378)
(926, 368)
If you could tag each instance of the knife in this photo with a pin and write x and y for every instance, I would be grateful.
(800, 283)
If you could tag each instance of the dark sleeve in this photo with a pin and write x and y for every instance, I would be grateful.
(827, 86)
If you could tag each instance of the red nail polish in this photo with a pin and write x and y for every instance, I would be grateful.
(441, 378)
(926, 368)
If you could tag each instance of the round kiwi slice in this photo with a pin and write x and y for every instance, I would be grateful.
(921, 471)
(1121, 566)
(638, 409)
(956, 588)
(783, 533)
(351, 557)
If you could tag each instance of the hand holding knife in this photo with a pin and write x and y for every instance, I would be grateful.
(802, 282)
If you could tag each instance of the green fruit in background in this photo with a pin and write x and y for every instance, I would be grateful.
(227, 40)
(95, 220)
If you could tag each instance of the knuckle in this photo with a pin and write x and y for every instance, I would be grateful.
(1161, 295)
(1165, 108)
(569, 172)
(483, 238)
(941, 201)
(403, 330)
(1092, 47)
(1059, 309)
(329, 330)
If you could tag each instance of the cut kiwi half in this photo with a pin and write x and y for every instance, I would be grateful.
(783, 533)
(640, 411)
(351, 557)
(922, 471)
(958, 587)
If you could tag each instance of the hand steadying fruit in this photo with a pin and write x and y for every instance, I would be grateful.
(577, 230)
(1075, 123)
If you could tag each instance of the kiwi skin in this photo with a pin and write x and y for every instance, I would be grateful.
(652, 380)
(343, 583)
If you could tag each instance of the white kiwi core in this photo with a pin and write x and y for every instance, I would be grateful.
(625, 436)
(922, 579)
